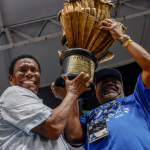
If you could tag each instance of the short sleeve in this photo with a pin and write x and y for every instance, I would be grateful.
(24, 111)
(142, 94)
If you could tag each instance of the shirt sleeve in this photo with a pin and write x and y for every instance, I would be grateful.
(24, 111)
(142, 94)
(83, 121)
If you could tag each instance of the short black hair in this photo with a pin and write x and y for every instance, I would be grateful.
(12, 64)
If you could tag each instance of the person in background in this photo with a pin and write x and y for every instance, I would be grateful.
(119, 123)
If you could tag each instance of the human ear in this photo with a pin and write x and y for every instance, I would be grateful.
(96, 93)
(11, 79)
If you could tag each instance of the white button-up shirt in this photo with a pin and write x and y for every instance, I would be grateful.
(20, 111)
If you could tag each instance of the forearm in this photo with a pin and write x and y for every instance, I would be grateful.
(73, 129)
(141, 56)
(52, 127)
(61, 114)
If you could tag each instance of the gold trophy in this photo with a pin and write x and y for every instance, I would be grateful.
(87, 45)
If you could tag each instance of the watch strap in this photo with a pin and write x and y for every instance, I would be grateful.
(125, 38)
(125, 44)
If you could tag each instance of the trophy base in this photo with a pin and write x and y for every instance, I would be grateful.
(85, 95)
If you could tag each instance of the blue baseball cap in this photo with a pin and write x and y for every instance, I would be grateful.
(108, 72)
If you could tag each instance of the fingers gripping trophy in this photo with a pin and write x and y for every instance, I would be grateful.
(87, 45)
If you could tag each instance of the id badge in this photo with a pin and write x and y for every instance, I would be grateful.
(97, 130)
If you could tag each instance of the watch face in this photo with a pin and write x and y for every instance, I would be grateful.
(125, 38)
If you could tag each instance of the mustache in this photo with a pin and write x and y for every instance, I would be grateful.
(108, 87)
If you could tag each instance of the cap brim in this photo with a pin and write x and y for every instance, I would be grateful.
(107, 72)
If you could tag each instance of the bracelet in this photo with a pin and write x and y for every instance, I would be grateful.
(125, 44)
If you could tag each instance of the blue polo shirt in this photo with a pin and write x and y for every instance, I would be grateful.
(128, 122)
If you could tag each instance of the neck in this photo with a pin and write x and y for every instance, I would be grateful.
(102, 102)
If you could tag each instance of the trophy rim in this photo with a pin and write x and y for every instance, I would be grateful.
(79, 51)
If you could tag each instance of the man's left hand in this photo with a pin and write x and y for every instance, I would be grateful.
(59, 92)
(114, 28)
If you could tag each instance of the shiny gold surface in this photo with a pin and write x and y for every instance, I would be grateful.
(80, 63)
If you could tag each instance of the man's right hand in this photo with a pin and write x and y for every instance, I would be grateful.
(60, 92)
(77, 86)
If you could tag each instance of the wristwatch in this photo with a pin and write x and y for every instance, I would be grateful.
(125, 38)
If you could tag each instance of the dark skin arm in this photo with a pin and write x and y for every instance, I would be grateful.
(141, 56)
(143, 59)
(52, 127)
(73, 129)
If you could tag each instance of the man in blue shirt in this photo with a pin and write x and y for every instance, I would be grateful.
(25, 122)
(119, 123)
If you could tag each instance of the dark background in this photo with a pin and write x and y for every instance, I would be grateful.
(129, 73)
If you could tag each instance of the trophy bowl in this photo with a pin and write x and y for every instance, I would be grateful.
(73, 62)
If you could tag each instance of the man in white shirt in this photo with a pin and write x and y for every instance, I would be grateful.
(25, 122)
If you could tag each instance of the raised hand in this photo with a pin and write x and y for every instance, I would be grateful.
(114, 28)
(77, 86)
